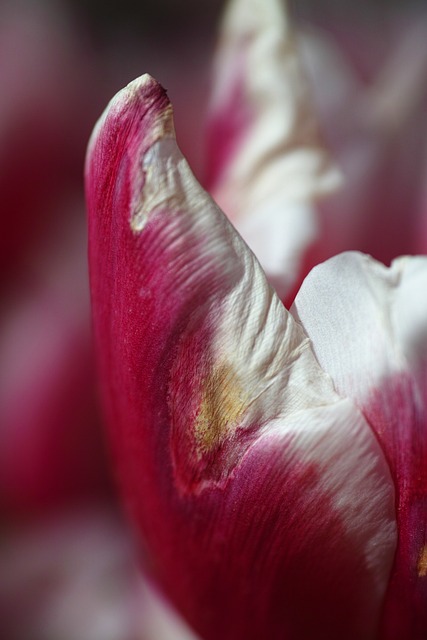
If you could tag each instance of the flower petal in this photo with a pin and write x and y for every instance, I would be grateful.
(266, 163)
(232, 446)
(368, 326)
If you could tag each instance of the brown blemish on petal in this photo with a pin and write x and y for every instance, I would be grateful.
(422, 562)
(221, 409)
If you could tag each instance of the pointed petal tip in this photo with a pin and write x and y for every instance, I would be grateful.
(138, 117)
(142, 90)
(145, 97)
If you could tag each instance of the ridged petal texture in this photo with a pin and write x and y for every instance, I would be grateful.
(263, 498)
(368, 326)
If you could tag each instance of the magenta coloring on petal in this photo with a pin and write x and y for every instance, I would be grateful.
(397, 413)
(245, 528)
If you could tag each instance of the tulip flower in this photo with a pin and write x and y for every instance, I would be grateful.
(257, 487)
(272, 462)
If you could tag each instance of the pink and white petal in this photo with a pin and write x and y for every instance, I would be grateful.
(231, 445)
(368, 327)
(266, 166)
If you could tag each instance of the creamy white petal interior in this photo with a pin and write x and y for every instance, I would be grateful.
(367, 322)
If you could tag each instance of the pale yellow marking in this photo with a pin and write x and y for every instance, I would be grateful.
(422, 562)
(222, 407)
